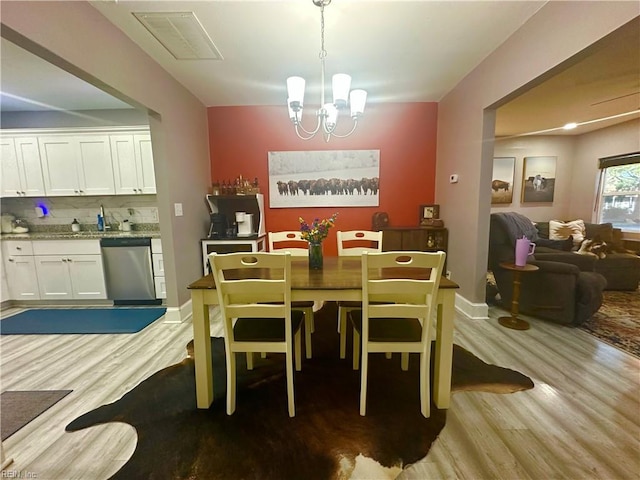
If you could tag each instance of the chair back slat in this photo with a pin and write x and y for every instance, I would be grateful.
(350, 243)
(290, 241)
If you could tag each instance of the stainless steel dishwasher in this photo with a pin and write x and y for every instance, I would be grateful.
(128, 270)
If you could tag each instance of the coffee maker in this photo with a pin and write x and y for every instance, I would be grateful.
(244, 221)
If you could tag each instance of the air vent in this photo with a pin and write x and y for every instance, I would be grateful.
(181, 33)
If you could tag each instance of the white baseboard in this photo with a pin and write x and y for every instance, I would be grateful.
(179, 314)
(473, 311)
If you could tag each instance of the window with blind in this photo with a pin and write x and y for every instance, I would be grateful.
(619, 192)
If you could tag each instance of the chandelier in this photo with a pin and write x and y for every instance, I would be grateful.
(328, 113)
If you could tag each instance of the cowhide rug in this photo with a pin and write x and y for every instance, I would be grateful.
(260, 441)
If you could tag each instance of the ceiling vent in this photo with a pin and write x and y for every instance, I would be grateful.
(181, 33)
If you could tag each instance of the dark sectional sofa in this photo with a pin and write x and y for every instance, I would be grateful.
(621, 269)
(564, 290)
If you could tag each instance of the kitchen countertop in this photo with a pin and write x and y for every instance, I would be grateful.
(79, 235)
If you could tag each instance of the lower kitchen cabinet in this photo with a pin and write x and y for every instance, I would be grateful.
(20, 270)
(22, 278)
(76, 277)
(69, 270)
(158, 268)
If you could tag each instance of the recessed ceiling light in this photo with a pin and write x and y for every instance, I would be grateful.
(570, 126)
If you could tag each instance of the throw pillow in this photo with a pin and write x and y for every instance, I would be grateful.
(604, 231)
(562, 230)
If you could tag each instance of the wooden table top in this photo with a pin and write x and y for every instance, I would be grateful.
(527, 267)
(338, 273)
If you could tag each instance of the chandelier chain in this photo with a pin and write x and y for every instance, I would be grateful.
(323, 52)
(323, 55)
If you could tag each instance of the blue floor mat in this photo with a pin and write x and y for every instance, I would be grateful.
(41, 321)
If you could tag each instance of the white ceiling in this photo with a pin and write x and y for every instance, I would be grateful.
(399, 51)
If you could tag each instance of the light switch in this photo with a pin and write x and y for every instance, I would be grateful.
(177, 207)
(453, 178)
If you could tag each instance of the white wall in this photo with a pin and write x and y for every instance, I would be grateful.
(561, 147)
(557, 32)
(615, 140)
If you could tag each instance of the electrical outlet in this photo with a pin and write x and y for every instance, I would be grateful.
(177, 207)
(448, 274)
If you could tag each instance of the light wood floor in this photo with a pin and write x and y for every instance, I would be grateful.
(581, 421)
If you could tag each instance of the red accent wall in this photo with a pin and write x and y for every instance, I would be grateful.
(405, 133)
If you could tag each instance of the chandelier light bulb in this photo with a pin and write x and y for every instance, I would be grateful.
(331, 118)
(357, 99)
(295, 89)
(340, 84)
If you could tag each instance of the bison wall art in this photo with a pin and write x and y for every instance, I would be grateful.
(502, 180)
(538, 179)
(332, 178)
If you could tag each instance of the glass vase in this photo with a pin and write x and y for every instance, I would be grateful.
(315, 255)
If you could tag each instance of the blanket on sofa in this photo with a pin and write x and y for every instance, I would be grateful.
(517, 225)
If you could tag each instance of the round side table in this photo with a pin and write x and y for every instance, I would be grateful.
(513, 321)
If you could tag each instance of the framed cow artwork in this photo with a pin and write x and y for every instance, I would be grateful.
(327, 178)
(538, 179)
(502, 180)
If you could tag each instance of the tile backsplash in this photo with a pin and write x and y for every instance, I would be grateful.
(138, 209)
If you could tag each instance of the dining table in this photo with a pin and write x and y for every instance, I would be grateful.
(340, 279)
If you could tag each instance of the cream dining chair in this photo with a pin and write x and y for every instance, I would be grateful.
(353, 243)
(396, 315)
(256, 312)
(292, 242)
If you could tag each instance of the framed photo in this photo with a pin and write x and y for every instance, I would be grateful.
(429, 212)
(538, 179)
(326, 178)
(502, 180)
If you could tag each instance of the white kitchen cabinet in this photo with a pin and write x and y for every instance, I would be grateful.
(70, 269)
(21, 168)
(20, 270)
(78, 164)
(158, 268)
(133, 164)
